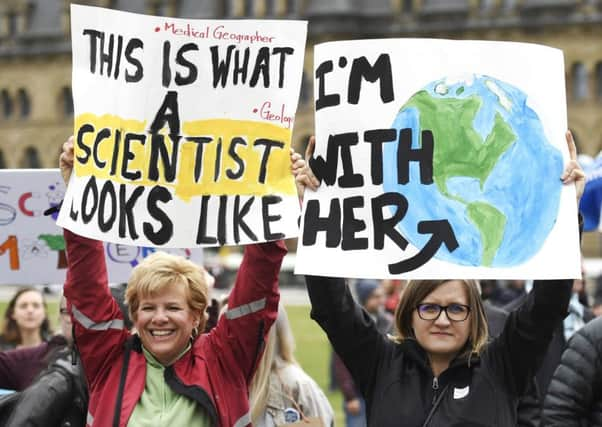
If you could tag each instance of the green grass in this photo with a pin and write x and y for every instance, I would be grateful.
(313, 353)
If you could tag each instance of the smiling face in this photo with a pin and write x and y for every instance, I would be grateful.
(441, 338)
(165, 321)
(29, 312)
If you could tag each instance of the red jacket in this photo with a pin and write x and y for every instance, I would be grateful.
(215, 372)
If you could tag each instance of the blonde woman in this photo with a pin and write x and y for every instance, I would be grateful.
(168, 372)
(281, 392)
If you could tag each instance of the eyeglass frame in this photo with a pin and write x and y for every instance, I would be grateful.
(443, 308)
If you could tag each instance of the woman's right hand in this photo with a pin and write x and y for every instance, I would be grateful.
(304, 177)
(66, 160)
(572, 171)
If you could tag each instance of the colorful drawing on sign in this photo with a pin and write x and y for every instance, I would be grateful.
(486, 152)
(31, 204)
(7, 212)
(205, 159)
(32, 247)
(431, 172)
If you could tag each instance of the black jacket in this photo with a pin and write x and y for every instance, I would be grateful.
(57, 398)
(396, 379)
(554, 353)
(574, 397)
(528, 408)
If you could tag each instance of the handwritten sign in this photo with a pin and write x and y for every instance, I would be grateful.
(439, 159)
(183, 129)
(32, 248)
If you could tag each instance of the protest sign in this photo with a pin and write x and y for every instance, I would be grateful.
(183, 129)
(32, 248)
(439, 159)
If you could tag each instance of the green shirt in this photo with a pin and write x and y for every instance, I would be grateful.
(159, 405)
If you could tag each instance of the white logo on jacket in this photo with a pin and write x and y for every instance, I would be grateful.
(459, 393)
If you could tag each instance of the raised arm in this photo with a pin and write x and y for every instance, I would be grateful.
(241, 331)
(240, 334)
(521, 346)
(529, 329)
(97, 319)
(350, 329)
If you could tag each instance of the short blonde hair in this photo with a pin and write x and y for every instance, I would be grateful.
(161, 270)
(417, 290)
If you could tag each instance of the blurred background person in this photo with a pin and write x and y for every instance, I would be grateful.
(597, 297)
(490, 292)
(281, 392)
(50, 386)
(574, 397)
(392, 289)
(48, 379)
(578, 315)
(514, 290)
(25, 320)
(19, 367)
(370, 295)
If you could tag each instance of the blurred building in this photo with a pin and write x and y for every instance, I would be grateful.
(36, 107)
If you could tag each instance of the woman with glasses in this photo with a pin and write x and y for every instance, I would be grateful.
(440, 369)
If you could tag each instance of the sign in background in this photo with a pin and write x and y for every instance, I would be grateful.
(32, 248)
(591, 201)
(183, 129)
(439, 159)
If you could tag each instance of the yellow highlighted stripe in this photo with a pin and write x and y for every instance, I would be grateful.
(108, 162)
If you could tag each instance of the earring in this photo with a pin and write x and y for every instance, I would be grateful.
(195, 332)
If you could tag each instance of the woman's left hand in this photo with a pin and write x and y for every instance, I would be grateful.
(572, 171)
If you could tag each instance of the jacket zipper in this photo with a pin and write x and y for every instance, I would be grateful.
(435, 388)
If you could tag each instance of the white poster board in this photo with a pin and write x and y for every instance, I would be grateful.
(32, 248)
(183, 129)
(439, 159)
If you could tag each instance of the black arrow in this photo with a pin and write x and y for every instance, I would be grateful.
(442, 233)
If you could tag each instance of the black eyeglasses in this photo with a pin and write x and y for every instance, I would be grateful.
(454, 312)
(64, 312)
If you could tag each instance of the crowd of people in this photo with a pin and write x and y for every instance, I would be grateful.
(163, 351)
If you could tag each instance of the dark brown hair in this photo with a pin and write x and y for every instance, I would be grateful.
(10, 331)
